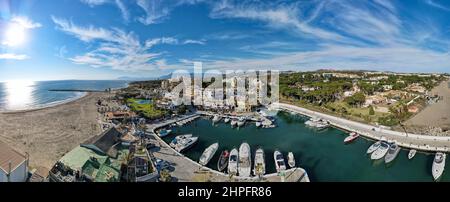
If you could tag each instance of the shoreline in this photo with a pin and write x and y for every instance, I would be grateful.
(48, 105)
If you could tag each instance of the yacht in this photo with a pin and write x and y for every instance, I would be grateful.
(183, 142)
(216, 119)
(291, 160)
(223, 161)
(245, 160)
(260, 164)
(258, 124)
(233, 123)
(241, 122)
(381, 151)
(373, 147)
(279, 161)
(392, 153)
(164, 133)
(412, 153)
(438, 165)
(233, 163)
(208, 154)
(353, 136)
(226, 120)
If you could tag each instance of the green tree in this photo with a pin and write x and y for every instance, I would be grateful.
(371, 110)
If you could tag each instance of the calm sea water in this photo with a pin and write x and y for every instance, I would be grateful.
(22, 95)
(322, 154)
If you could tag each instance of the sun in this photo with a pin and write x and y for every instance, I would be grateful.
(15, 35)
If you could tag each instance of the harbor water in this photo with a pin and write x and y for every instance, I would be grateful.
(321, 153)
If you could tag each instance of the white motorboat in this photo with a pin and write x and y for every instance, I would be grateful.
(317, 123)
(241, 122)
(353, 136)
(258, 124)
(373, 147)
(394, 149)
(164, 133)
(412, 153)
(216, 119)
(380, 152)
(174, 142)
(260, 163)
(208, 154)
(226, 120)
(233, 123)
(233, 162)
(438, 165)
(291, 160)
(279, 161)
(183, 142)
(245, 160)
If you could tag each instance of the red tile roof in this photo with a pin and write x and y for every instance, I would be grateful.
(9, 155)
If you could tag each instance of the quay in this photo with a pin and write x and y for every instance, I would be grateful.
(188, 170)
(407, 140)
(75, 90)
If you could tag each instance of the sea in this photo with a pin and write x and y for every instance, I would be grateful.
(26, 95)
(322, 153)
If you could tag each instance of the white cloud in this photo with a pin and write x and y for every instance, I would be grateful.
(163, 40)
(93, 3)
(437, 5)
(25, 22)
(113, 48)
(155, 11)
(191, 41)
(123, 9)
(10, 56)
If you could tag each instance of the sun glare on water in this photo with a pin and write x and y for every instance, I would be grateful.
(19, 94)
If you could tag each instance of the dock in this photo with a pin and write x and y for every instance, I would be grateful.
(406, 140)
(188, 170)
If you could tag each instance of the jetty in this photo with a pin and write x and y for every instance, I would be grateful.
(407, 140)
(188, 170)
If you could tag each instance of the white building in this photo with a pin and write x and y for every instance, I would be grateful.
(13, 165)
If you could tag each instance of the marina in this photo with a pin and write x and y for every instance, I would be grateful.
(301, 142)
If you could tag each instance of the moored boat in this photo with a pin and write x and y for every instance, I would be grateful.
(226, 120)
(412, 153)
(353, 136)
(216, 119)
(233, 162)
(164, 133)
(373, 147)
(223, 161)
(241, 122)
(183, 142)
(258, 124)
(291, 160)
(260, 164)
(394, 149)
(279, 161)
(233, 123)
(245, 160)
(208, 154)
(438, 165)
(380, 152)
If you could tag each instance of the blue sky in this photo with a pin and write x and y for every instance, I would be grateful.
(106, 39)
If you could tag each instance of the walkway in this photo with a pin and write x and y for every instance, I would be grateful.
(414, 141)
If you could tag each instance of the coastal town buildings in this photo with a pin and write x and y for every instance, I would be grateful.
(13, 165)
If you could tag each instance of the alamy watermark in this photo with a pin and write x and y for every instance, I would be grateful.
(240, 89)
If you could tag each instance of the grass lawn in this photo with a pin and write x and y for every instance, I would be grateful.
(148, 110)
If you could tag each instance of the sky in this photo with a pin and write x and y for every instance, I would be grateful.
(108, 39)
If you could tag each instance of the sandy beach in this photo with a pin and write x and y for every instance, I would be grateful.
(433, 116)
(47, 134)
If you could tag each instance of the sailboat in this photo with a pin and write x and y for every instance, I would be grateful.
(223, 160)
